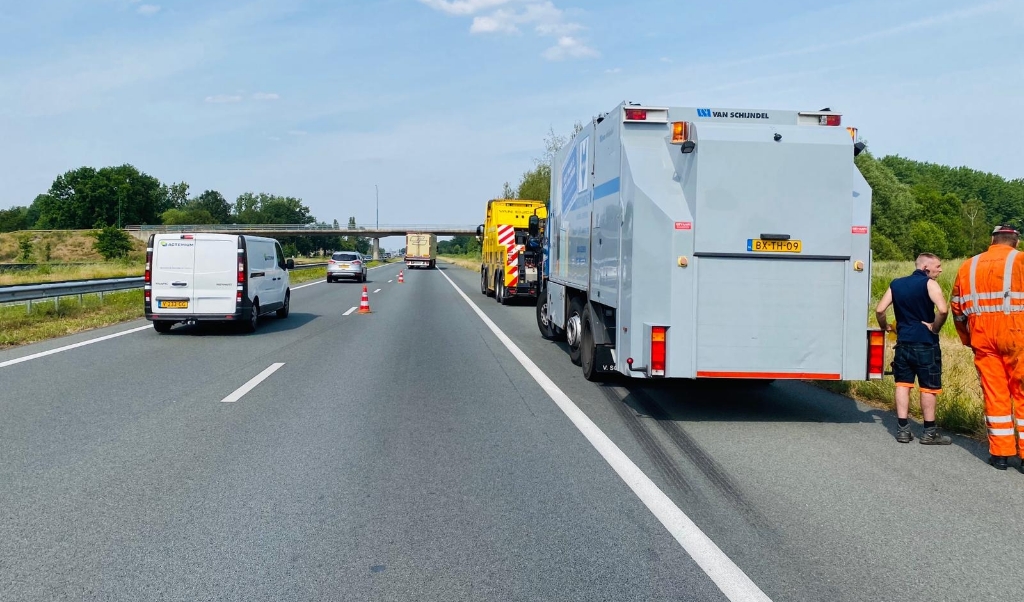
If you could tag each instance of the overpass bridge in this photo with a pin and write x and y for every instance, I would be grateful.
(275, 230)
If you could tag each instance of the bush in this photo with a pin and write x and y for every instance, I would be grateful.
(884, 249)
(112, 242)
(25, 246)
(290, 250)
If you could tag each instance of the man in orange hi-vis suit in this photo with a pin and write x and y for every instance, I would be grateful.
(988, 311)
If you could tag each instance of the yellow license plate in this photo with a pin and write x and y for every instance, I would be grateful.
(756, 245)
(172, 304)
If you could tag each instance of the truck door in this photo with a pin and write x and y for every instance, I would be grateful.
(173, 271)
(216, 267)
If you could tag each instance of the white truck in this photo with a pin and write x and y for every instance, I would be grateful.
(711, 243)
(193, 277)
(420, 250)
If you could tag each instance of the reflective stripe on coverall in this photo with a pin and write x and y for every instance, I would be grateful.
(988, 312)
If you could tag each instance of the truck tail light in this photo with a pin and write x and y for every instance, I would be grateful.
(876, 354)
(658, 350)
(830, 119)
(680, 132)
(636, 114)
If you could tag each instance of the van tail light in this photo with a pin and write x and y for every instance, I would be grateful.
(148, 277)
(658, 350)
(876, 354)
(241, 271)
(238, 297)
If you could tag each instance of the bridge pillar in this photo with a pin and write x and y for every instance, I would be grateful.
(376, 250)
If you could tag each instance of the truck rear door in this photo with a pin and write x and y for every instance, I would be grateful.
(173, 267)
(773, 238)
(215, 275)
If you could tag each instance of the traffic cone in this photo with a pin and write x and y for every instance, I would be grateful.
(401, 278)
(364, 304)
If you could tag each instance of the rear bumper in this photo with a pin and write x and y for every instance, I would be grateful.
(237, 316)
(345, 273)
(419, 263)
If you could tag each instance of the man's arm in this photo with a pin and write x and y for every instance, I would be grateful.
(883, 305)
(941, 311)
(959, 319)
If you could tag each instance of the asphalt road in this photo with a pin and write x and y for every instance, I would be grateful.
(408, 455)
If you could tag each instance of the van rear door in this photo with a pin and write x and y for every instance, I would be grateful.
(216, 273)
(173, 267)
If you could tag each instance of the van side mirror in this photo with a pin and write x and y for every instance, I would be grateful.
(290, 264)
(534, 226)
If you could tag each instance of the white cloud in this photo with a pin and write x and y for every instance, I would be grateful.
(148, 9)
(512, 16)
(274, 138)
(569, 47)
(266, 96)
(224, 98)
(615, 70)
(463, 7)
(297, 132)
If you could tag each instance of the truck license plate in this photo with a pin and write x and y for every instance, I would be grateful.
(756, 245)
(172, 304)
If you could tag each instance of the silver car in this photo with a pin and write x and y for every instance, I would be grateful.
(346, 264)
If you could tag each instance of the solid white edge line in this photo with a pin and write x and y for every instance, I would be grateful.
(729, 578)
(376, 291)
(349, 312)
(249, 386)
(70, 347)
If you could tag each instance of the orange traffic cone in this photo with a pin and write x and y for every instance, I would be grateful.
(364, 304)
(401, 278)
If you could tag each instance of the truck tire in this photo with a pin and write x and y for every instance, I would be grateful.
(162, 326)
(483, 281)
(547, 329)
(588, 352)
(501, 293)
(574, 328)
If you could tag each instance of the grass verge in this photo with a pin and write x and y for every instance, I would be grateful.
(46, 273)
(470, 262)
(48, 320)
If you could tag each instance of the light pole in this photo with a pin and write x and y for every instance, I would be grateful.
(377, 194)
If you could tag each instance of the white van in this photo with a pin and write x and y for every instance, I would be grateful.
(215, 277)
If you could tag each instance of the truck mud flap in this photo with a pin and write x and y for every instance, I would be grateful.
(604, 359)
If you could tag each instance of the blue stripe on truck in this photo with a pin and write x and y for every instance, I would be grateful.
(609, 187)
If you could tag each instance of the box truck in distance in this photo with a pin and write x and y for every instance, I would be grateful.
(420, 250)
(711, 243)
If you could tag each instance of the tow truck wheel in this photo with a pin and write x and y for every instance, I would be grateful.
(502, 293)
(483, 281)
(588, 351)
(574, 329)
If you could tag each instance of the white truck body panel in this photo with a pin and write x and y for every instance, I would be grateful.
(627, 204)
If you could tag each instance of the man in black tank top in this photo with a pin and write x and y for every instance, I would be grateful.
(921, 310)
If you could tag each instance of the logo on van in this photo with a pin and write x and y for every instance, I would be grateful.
(703, 112)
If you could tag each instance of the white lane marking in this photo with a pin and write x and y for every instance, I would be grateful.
(249, 386)
(376, 291)
(349, 312)
(70, 347)
(390, 281)
(729, 578)
(310, 284)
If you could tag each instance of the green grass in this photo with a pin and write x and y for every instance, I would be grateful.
(47, 321)
(46, 273)
(470, 262)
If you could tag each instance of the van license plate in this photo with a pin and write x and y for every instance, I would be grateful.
(756, 245)
(172, 304)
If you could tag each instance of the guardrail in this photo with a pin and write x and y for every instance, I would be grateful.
(27, 293)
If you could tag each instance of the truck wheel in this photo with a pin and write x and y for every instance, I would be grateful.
(588, 352)
(483, 281)
(574, 329)
(283, 312)
(162, 326)
(547, 330)
(254, 317)
(500, 292)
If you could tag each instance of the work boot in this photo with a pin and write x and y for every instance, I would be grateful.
(931, 436)
(999, 462)
(903, 434)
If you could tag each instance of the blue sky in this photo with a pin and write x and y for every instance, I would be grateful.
(439, 102)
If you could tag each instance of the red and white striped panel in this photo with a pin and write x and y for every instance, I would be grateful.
(512, 267)
(506, 235)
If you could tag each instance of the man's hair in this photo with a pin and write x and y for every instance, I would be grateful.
(1005, 238)
(923, 257)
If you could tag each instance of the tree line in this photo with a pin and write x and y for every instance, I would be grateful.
(89, 198)
(916, 206)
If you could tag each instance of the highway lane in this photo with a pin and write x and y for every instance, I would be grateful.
(805, 490)
(399, 455)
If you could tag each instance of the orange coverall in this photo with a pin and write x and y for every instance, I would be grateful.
(988, 312)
